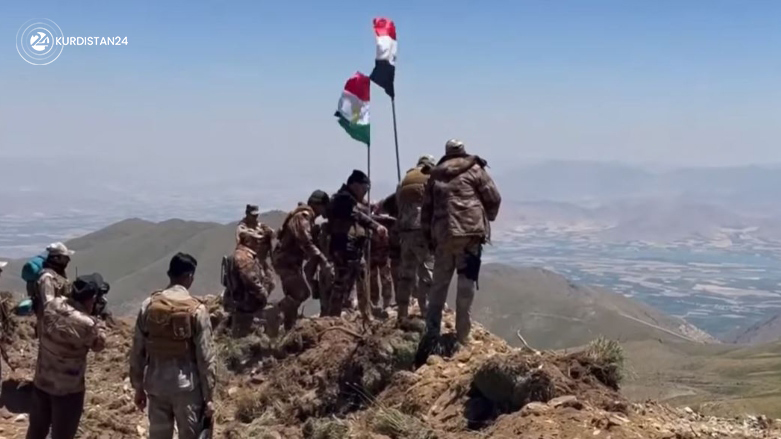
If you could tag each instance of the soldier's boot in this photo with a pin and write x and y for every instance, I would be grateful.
(289, 308)
(272, 321)
(403, 311)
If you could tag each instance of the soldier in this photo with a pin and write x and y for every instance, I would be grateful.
(459, 203)
(172, 361)
(417, 261)
(251, 222)
(380, 278)
(248, 292)
(68, 332)
(321, 277)
(53, 281)
(295, 246)
(349, 219)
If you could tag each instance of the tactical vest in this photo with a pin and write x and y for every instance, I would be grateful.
(170, 326)
(412, 186)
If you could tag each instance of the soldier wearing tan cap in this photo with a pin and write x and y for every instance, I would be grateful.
(417, 261)
(247, 284)
(459, 203)
(53, 281)
(251, 222)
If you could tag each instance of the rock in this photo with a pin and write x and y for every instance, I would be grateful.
(688, 410)
(534, 408)
(616, 420)
(141, 430)
(566, 401)
(5, 414)
(271, 435)
(21, 418)
(232, 391)
(434, 360)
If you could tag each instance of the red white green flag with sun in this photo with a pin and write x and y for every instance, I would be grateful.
(353, 108)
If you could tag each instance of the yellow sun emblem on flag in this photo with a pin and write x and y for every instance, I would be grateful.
(356, 114)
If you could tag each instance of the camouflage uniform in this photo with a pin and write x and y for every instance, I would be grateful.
(380, 269)
(50, 285)
(176, 368)
(249, 294)
(417, 260)
(459, 203)
(68, 334)
(348, 220)
(264, 251)
(320, 277)
(294, 247)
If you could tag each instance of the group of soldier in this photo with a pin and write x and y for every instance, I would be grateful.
(412, 241)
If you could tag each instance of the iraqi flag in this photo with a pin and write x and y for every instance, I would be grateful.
(385, 64)
(353, 109)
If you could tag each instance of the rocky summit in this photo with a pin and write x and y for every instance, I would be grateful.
(339, 378)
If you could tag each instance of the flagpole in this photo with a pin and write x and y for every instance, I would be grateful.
(367, 278)
(396, 140)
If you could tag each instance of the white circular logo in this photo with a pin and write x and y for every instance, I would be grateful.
(36, 41)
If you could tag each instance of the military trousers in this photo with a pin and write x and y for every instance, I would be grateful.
(183, 409)
(60, 414)
(416, 271)
(381, 283)
(349, 273)
(296, 290)
(457, 254)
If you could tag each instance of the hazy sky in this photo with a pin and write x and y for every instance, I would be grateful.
(227, 85)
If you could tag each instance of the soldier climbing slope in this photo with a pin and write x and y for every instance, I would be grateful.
(294, 248)
(459, 203)
(350, 224)
(417, 260)
(172, 359)
(251, 222)
(248, 293)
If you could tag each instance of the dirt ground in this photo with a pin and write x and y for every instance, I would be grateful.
(336, 378)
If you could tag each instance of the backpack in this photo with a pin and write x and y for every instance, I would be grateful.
(32, 269)
(226, 270)
(169, 325)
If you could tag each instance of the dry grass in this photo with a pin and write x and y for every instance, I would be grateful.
(609, 355)
(331, 428)
(397, 425)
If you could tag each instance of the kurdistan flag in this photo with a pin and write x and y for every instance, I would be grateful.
(353, 109)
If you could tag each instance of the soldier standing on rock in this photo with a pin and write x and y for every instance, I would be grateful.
(68, 332)
(172, 358)
(247, 290)
(417, 260)
(350, 223)
(459, 203)
(295, 246)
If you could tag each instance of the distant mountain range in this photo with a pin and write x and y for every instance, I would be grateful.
(579, 181)
(133, 256)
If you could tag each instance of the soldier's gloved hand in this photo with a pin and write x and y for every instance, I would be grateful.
(382, 232)
(208, 411)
